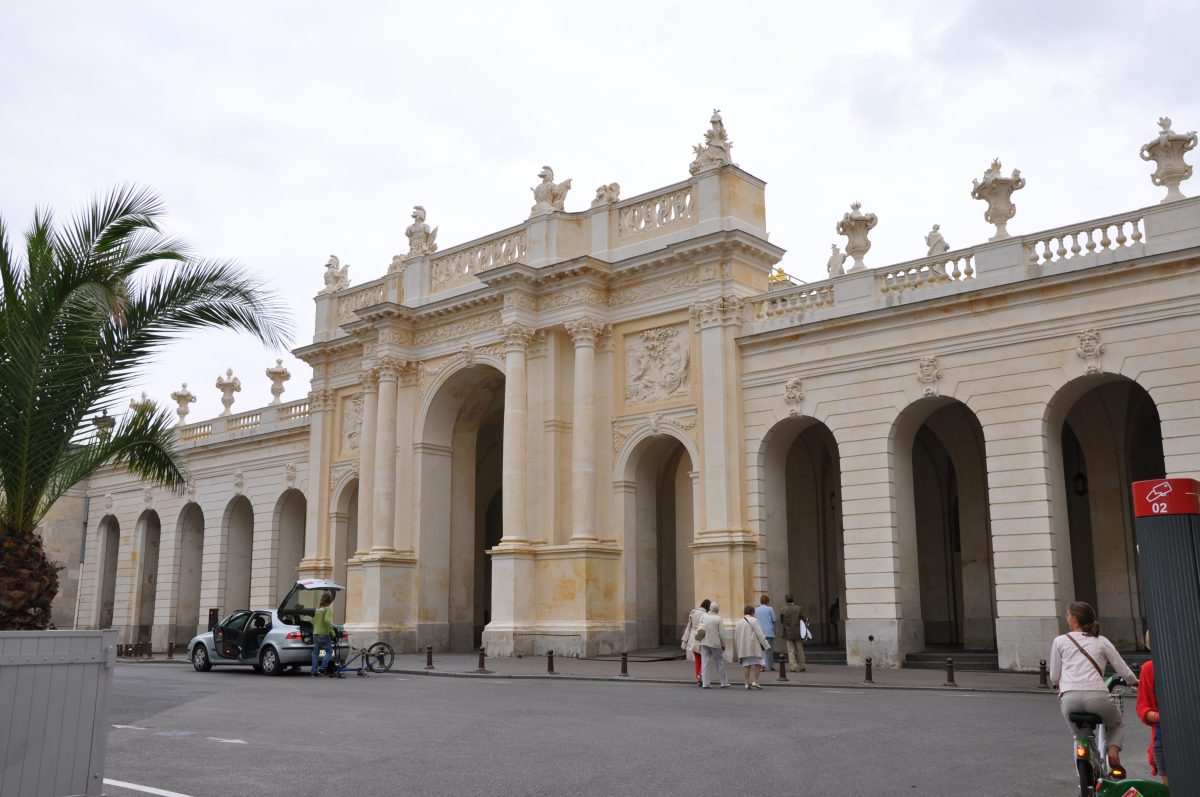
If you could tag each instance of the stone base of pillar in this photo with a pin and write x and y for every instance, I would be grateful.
(381, 601)
(893, 640)
(513, 590)
(1022, 642)
(312, 568)
(724, 570)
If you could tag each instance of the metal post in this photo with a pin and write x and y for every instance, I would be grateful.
(782, 670)
(170, 650)
(429, 657)
(550, 663)
(949, 673)
(482, 661)
(868, 679)
(624, 664)
(1043, 675)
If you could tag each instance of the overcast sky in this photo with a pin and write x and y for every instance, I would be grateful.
(279, 133)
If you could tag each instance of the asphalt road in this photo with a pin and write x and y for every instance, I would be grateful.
(231, 732)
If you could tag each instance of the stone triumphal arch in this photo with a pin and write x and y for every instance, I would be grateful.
(564, 435)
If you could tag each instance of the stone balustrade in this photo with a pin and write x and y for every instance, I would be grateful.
(789, 305)
(363, 296)
(643, 217)
(1066, 243)
(459, 266)
(245, 421)
(295, 411)
(195, 431)
(259, 420)
(947, 267)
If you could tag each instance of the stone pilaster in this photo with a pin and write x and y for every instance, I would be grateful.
(384, 505)
(584, 332)
(316, 562)
(368, 438)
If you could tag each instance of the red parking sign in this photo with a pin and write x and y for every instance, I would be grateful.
(1166, 497)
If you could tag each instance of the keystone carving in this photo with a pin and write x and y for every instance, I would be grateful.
(928, 375)
(793, 394)
(1089, 350)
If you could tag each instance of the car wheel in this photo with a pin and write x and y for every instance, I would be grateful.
(268, 663)
(200, 659)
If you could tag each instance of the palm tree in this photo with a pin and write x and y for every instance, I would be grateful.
(81, 315)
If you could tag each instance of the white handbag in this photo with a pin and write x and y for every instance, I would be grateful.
(804, 632)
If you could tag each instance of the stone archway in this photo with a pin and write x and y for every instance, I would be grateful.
(1107, 433)
(658, 499)
(110, 547)
(459, 474)
(803, 523)
(149, 538)
(290, 512)
(344, 542)
(189, 537)
(239, 550)
(947, 574)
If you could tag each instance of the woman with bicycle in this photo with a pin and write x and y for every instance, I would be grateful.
(1077, 661)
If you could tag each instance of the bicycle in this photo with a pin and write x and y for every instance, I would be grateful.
(1091, 749)
(376, 658)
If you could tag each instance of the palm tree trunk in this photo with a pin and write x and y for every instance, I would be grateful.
(28, 581)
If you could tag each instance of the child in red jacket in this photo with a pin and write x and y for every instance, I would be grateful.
(1147, 711)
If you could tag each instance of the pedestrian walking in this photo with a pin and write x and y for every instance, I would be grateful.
(1147, 711)
(712, 647)
(794, 624)
(767, 621)
(322, 633)
(749, 642)
(689, 642)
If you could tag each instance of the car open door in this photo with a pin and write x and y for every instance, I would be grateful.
(227, 636)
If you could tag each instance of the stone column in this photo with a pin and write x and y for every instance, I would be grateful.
(515, 458)
(406, 411)
(368, 432)
(385, 460)
(584, 332)
(316, 559)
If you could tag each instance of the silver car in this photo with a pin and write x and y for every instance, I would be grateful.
(269, 641)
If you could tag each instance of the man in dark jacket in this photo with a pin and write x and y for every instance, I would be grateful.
(794, 623)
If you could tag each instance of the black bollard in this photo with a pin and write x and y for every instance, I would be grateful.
(550, 663)
(170, 650)
(782, 670)
(949, 673)
(868, 679)
(1043, 675)
(120, 651)
(429, 657)
(624, 664)
(482, 661)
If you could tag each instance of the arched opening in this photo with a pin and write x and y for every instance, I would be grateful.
(149, 536)
(344, 526)
(945, 527)
(1108, 433)
(190, 539)
(110, 543)
(802, 494)
(290, 512)
(458, 467)
(239, 535)
(660, 516)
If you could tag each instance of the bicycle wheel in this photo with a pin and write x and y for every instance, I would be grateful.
(1087, 778)
(379, 657)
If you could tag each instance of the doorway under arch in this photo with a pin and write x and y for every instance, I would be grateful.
(945, 526)
(239, 536)
(802, 493)
(344, 529)
(110, 547)
(459, 470)
(290, 513)
(190, 540)
(1108, 433)
(149, 538)
(660, 515)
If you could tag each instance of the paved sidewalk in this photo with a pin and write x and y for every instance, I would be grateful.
(825, 676)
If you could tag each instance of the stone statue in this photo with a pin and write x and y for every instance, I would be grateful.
(778, 277)
(337, 276)
(715, 151)
(548, 196)
(1167, 151)
(936, 243)
(997, 192)
(855, 225)
(607, 194)
(836, 260)
(182, 398)
(421, 240)
(228, 385)
(144, 404)
(104, 426)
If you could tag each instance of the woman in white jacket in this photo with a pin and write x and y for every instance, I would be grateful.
(749, 642)
(689, 643)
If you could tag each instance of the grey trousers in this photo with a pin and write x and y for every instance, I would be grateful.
(1094, 702)
(712, 658)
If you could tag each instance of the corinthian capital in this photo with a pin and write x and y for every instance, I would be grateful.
(517, 337)
(721, 311)
(584, 331)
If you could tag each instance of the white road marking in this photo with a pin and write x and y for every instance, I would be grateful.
(226, 741)
(842, 691)
(131, 727)
(146, 789)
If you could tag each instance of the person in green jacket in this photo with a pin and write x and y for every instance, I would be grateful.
(322, 632)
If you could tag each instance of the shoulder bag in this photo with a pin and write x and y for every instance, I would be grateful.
(1099, 669)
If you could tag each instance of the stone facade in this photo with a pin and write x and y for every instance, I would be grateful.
(563, 436)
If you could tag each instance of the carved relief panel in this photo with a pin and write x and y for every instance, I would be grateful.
(351, 431)
(657, 365)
